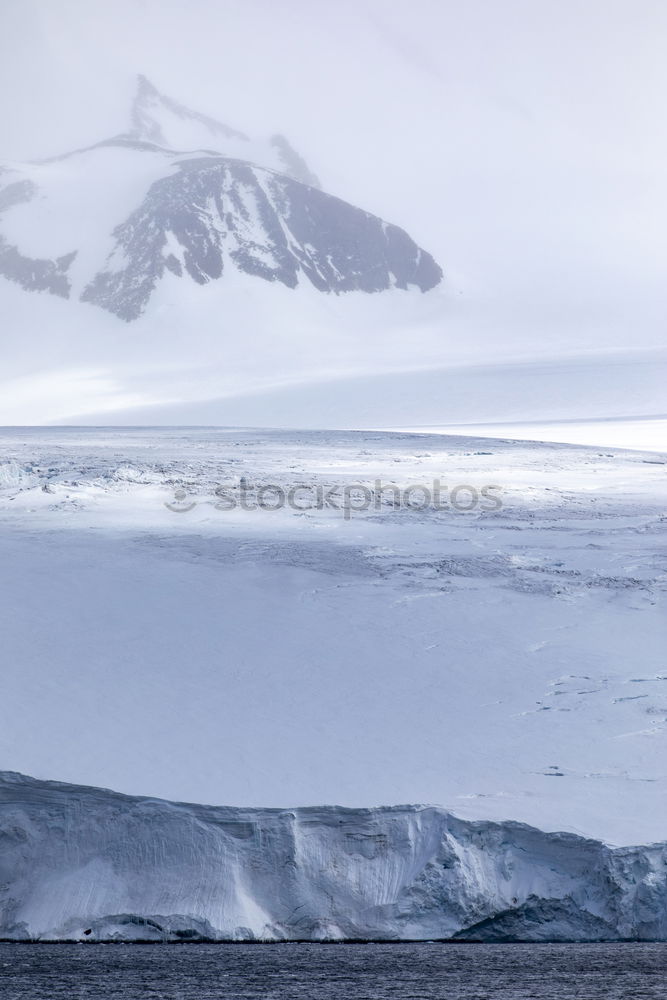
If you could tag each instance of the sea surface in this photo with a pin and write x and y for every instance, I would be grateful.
(332, 971)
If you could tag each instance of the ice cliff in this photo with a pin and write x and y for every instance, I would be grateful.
(78, 862)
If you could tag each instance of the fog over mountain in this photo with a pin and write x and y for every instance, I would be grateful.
(517, 146)
(229, 203)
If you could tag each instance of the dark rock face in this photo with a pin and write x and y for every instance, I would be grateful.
(294, 164)
(16, 193)
(217, 211)
(33, 274)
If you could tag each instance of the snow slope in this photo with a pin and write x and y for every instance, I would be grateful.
(611, 399)
(81, 862)
(507, 664)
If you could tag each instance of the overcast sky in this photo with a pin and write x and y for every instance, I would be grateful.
(523, 142)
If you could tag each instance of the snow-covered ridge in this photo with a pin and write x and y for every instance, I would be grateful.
(161, 120)
(85, 862)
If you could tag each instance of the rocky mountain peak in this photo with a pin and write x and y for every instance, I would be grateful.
(164, 122)
(159, 119)
(185, 195)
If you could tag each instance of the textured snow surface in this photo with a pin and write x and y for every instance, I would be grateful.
(77, 861)
(507, 664)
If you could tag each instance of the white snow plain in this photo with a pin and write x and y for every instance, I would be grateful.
(507, 664)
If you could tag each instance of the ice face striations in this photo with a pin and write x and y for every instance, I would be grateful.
(183, 195)
(77, 861)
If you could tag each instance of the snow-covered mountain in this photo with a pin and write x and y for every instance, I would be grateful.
(79, 862)
(185, 195)
(185, 272)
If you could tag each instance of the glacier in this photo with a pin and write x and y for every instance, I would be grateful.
(507, 664)
(79, 862)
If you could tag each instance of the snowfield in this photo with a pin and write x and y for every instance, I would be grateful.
(507, 664)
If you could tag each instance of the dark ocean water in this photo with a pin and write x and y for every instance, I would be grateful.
(332, 972)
